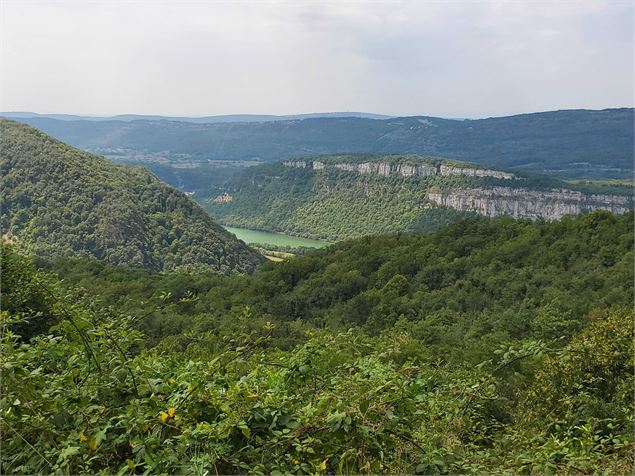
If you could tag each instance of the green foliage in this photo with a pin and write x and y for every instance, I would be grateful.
(577, 416)
(87, 397)
(460, 290)
(592, 380)
(58, 200)
(24, 294)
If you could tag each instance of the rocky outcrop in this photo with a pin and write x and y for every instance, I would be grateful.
(298, 164)
(9, 239)
(224, 198)
(525, 203)
(470, 172)
(404, 169)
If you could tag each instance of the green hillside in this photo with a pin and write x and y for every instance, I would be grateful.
(58, 200)
(457, 283)
(330, 205)
(491, 346)
(333, 203)
(570, 143)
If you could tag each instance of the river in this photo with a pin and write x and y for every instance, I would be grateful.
(277, 239)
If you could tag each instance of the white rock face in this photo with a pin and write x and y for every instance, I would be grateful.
(426, 170)
(224, 198)
(347, 167)
(383, 169)
(449, 170)
(406, 170)
(524, 203)
(367, 168)
(299, 164)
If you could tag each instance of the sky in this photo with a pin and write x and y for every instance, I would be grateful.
(197, 58)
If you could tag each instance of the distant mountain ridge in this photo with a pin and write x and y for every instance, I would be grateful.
(60, 201)
(197, 119)
(571, 144)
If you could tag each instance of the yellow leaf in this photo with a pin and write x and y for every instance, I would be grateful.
(171, 412)
(92, 444)
(82, 437)
(323, 465)
(163, 416)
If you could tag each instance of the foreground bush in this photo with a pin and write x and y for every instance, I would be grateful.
(87, 397)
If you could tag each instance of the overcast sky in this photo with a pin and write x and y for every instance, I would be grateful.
(445, 58)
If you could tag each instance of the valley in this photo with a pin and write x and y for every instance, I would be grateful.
(461, 316)
(293, 238)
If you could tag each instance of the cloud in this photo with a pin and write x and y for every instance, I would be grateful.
(465, 59)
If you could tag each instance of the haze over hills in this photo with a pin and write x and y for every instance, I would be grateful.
(58, 200)
(196, 120)
(569, 143)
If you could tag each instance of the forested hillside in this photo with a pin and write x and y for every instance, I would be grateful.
(571, 143)
(490, 346)
(58, 200)
(348, 196)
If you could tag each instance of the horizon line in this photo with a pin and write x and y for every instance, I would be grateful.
(282, 116)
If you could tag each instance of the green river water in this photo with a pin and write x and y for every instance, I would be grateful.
(278, 239)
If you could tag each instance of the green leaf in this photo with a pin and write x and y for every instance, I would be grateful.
(69, 451)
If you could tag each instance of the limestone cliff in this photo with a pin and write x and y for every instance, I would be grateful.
(404, 169)
(525, 203)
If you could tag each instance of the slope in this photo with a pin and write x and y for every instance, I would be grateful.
(489, 347)
(493, 279)
(58, 200)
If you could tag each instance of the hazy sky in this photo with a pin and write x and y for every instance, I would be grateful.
(441, 58)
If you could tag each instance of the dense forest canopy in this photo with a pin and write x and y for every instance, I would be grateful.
(569, 143)
(488, 346)
(58, 200)
(459, 282)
